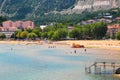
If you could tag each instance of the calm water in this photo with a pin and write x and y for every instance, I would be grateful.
(37, 62)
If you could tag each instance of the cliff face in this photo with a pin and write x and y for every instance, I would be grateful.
(32, 9)
(94, 5)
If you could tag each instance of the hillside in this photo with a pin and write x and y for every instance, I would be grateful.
(36, 9)
(20, 9)
(92, 6)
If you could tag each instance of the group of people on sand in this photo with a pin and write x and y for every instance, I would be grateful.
(75, 50)
(51, 46)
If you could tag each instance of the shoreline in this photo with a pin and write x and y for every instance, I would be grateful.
(102, 44)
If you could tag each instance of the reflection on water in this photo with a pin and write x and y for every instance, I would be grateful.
(35, 62)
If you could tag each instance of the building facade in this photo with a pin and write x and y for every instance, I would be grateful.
(13, 26)
(113, 29)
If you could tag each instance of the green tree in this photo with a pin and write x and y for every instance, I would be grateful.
(23, 34)
(50, 34)
(99, 30)
(37, 31)
(55, 36)
(29, 30)
(87, 32)
(76, 33)
(44, 35)
(59, 26)
(2, 36)
(62, 33)
(17, 34)
(118, 35)
(49, 28)
(32, 36)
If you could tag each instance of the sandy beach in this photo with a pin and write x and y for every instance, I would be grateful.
(102, 44)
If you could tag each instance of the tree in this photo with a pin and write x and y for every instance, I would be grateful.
(44, 35)
(62, 33)
(37, 31)
(50, 34)
(49, 28)
(118, 35)
(29, 30)
(76, 33)
(87, 32)
(59, 26)
(23, 34)
(32, 36)
(2, 36)
(17, 34)
(55, 36)
(99, 30)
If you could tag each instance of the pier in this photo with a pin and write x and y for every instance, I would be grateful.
(102, 67)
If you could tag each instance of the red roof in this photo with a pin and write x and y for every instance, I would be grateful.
(114, 26)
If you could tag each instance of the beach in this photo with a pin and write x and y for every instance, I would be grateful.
(102, 44)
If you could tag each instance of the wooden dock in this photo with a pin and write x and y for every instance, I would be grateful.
(102, 67)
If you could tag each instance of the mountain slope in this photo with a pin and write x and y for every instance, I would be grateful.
(34, 9)
(20, 9)
(92, 5)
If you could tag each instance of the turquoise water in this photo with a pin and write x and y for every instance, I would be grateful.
(37, 62)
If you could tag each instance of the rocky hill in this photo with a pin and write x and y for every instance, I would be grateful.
(34, 9)
(92, 5)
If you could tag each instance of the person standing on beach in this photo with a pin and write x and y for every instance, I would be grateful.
(11, 49)
(75, 51)
(85, 50)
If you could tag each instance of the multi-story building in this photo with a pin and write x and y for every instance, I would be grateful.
(18, 24)
(12, 26)
(113, 29)
(8, 27)
(28, 24)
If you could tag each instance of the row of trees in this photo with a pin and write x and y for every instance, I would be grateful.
(56, 32)
(27, 34)
(91, 31)
(60, 32)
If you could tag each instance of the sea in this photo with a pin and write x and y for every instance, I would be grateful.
(43, 62)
